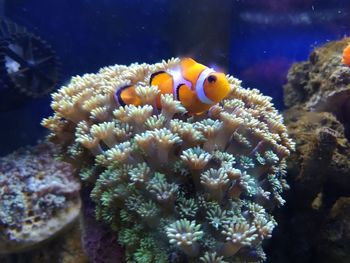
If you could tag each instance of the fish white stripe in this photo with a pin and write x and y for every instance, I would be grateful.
(178, 79)
(200, 86)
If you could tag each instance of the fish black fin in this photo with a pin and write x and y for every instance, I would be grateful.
(117, 95)
(177, 91)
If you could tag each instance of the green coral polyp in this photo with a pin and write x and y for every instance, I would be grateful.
(185, 235)
(176, 187)
(187, 207)
(217, 216)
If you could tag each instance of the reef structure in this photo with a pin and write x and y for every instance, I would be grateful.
(39, 197)
(316, 219)
(322, 83)
(175, 187)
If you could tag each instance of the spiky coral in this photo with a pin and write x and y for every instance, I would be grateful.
(172, 184)
(39, 196)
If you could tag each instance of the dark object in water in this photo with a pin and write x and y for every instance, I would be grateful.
(29, 68)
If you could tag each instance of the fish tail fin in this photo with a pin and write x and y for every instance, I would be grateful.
(126, 95)
(159, 77)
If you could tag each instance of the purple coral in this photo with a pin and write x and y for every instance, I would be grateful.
(99, 243)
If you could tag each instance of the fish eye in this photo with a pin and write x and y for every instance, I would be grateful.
(211, 79)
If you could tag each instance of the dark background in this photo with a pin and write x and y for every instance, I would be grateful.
(254, 40)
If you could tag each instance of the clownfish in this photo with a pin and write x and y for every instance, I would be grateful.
(346, 56)
(196, 86)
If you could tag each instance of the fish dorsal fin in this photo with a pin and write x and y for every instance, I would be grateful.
(164, 82)
(191, 70)
(187, 62)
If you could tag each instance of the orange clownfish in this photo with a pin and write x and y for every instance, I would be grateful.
(346, 56)
(196, 86)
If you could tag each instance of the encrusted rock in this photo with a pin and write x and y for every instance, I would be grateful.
(39, 196)
(65, 248)
(322, 157)
(314, 224)
(322, 83)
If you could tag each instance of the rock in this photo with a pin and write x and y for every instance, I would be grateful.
(322, 83)
(39, 196)
(315, 222)
(65, 248)
(99, 242)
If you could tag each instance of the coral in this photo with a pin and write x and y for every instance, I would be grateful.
(39, 196)
(176, 187)
(212, 258)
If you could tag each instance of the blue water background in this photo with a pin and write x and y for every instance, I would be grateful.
(262, 40)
